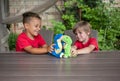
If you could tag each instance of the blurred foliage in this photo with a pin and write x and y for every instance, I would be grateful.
(104, 17)
(58, 27)
(12, 41)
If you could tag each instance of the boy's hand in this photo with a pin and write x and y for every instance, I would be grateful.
(74, 52)
(50, 48)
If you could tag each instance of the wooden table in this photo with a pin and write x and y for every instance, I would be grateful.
(97, 66)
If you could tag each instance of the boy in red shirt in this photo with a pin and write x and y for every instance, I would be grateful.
(84, 43)
(30, 40)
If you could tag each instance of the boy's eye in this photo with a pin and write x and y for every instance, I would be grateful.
(80, 32)
(75, 33)
(37, 26)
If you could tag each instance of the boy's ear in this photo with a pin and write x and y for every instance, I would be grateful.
(88, 33)
(26, 25)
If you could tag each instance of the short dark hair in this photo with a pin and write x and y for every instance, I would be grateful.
(28, 15)
(82, 24)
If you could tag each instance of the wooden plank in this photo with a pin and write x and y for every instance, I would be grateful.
(60, 78)
(97, 66)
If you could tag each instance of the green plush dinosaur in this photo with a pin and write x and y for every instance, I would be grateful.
(67, 45)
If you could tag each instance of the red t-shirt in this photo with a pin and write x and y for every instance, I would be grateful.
(91, 41)
(23, 41)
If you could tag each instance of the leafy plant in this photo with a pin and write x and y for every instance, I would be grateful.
(12, 41)
(103, 17)
(58, 27)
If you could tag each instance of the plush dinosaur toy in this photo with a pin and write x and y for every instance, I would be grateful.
(62, 46)
(57, 46)
(67, 45)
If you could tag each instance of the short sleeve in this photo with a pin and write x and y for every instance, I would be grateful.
(41, 40)
(22, 43)
(78, 44)
(94, 42)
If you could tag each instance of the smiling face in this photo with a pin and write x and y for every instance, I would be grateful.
(33, 27)
(82, 35)
(82, 31)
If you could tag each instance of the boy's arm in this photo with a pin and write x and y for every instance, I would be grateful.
(85, 50)
(44, 49)
(32, 50)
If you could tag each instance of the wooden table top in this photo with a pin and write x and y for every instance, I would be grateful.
(96, 66)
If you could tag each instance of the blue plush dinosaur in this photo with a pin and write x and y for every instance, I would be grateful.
(62, 46)
(57, 46)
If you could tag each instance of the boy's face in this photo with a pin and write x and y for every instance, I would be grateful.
(33, 27)
(81, 35)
